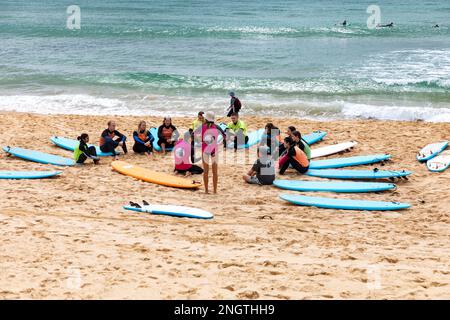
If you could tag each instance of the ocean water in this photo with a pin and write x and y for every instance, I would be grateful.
(283, 58)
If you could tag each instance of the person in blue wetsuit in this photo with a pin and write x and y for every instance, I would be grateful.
(143, 139)
(111, 139)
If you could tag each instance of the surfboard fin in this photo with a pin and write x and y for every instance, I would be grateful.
(135, 205)
(145, 203)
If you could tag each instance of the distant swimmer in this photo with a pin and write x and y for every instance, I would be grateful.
(389, 25)
(344, 24)
(436, 26)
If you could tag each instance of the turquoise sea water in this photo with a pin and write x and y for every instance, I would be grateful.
(283, 58)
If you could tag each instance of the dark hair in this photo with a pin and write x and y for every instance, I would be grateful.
(235, 114)
(289, 140)
(201, 113)
(109, 122)
(297, 134)
(292, 128)
(83, 136)
(301, 145)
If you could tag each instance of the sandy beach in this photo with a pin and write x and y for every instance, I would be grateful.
(68, 237)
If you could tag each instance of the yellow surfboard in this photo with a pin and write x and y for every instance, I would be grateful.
(153, 176)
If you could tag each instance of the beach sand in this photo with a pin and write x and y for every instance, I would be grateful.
(68, 237)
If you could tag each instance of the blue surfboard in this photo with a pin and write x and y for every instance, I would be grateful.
(343, 204)
(356, 174)
(170, 210)
(71, 144)
(39, 157)
(28, 174)
(348, 162)
(314, 137)
(326, 186)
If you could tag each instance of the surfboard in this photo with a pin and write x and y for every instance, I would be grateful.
(356, 174)
(147, 175)
(343, 204)
(326, 186)
(40, 157)
(156, 147)
(171, 210)
(71, 144)
(348, 162)
(314, 137)
(431, 151)
(439, 163)
(28, 174)
(332, 149)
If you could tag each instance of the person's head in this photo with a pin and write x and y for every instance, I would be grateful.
(263, 151)
(232, 94)
(142, 126)
(167, 121)
(210, 116)
(288, 142)
(234, 117)
(84, 137)
(269, 126)
(201, 116)
(296, 136)
(111, 125)
(290, 129)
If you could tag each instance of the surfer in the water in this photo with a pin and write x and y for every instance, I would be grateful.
(111, 139)
(293, 156)
(236, 132)
(167, 134)
(263, 170)
(389, 25)
(83, 152)
(209, 135)
(235, 104)
(143, 139)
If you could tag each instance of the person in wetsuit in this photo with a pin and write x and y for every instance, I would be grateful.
(83, 152)
(236, 132)
(111, 139)
(167, 135)
(293, 156)
(143, 140)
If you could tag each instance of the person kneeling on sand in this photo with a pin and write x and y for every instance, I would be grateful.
(111, 139)
(293, 156)
(236, 132)
(143, 139)
(167, 134)
(83, 152)
(182, 157)
(263, 170)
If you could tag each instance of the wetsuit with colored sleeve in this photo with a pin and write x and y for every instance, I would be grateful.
(82, 152)
(294, 157)
(140, 140)
(109, 141)
(166, 133)
(239, 130)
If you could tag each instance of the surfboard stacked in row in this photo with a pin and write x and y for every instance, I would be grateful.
(435, 156)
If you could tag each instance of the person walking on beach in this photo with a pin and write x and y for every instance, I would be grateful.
(236, 132)
(167, 135)
(83, 152)
(263, 170)
(111, 139)
(235, 104)
(143, 140)
(210, 147)
(293, 156)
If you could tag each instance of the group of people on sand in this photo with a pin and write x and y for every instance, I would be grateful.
(290, 150)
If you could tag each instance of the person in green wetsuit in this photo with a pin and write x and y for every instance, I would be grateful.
(236, 132)
(297, 137)
(83, 152)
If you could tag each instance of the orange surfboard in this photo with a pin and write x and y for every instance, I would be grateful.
(153, 176)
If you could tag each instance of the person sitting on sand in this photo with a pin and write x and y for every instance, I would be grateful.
(288, 133)
(263, 170)
(83, 152)
(270, 137)
(293, 156)
(167, 135)
(111, 139)
(236, 132)
(182, 157)
(235, 104)
(297, 137)
(209, 135)
(143, 139)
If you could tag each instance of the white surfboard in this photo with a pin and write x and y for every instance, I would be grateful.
(172, 210)
(335, 148)
(439, 163)
(431, 150)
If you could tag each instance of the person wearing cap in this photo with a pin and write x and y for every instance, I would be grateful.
(209, 133)
(263, 170)
(236, 131)
(167, 135)
(235, 104)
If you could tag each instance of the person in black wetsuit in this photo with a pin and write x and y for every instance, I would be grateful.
(235, 104)
(143, 139)
(83, 152)
(111, 139)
